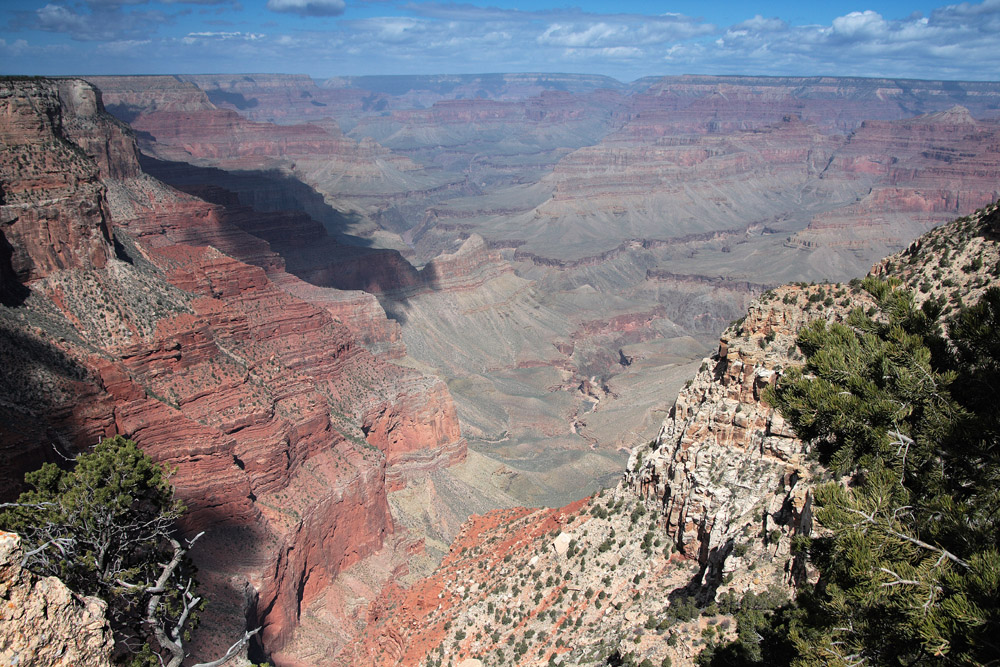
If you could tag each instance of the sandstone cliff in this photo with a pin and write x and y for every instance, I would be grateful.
(127, 316)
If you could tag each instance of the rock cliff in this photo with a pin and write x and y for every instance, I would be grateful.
(179, 122)
(44, 623)
(724, 463)
(131, 318)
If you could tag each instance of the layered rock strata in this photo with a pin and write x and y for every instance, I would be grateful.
(922, 171)
(259, 398)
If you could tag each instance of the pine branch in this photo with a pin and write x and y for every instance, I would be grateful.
(870, 518)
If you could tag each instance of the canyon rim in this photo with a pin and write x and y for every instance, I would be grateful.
(478, 369)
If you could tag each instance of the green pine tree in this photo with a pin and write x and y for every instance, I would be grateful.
(906, 419)
(106, 528)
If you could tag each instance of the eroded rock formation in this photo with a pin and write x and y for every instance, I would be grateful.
(134, 320)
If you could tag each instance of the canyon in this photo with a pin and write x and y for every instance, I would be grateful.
(658, 208)
(706, 513)
(351, 314)
(285, 431)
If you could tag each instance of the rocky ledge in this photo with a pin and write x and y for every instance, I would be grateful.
(44, 623)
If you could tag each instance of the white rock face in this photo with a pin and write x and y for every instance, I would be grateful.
(561, 543)
(44, 623)
(726, 466)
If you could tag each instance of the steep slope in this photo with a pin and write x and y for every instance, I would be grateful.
(125, 317)
(704, 515)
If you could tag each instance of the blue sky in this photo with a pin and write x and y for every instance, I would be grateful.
(627, 39)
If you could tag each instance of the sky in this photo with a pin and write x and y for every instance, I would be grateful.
(625, 39)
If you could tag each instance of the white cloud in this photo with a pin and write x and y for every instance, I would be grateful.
(865, 43)
(17, 48)
(102, 23)
(308, 7)
(195, 37)
(866, 24)
(597, 34)
(606, 53)
(124, 47)
(624, 31)
(952, 41)
(56, 18)
(760, 24)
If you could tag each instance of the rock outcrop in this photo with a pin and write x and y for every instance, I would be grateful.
(53, 214)
(44, 623)
(725, 464)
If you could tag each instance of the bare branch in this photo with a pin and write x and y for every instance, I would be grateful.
(233, 650)
(175, 646)
(924, 545)
(870, 518)
(899, 580)
(60, 543)
(904, 443)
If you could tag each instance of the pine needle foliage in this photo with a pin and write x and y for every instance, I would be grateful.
(105, 527)
(904, 412)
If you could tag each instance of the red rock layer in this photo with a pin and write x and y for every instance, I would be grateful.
(837, 104)
(676, 185)
(223, 134)
(224, 138)
(130, 95)
(53, 215)
(257, 397)
(924, 170)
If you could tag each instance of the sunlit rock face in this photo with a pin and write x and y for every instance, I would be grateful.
(42, 622)
(139, 310)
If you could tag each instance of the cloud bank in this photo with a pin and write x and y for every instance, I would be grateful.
(955, 41)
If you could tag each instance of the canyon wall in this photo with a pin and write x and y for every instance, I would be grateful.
(139, 310)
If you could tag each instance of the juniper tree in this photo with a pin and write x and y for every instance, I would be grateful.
(106, 528)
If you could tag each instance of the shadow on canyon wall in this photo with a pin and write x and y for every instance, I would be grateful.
(36, 424)
(284, 212)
